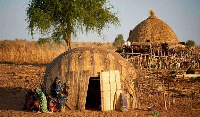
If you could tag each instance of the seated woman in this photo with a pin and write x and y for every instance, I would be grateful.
(32, 101)
(51, 104)
(57, 92)
(43, 100)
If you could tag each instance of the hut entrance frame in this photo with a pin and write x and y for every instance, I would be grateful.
(104, 91)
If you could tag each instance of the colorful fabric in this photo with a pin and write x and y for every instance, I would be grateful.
(57, 92)
(36, 106)
(62, 99)
(43, 100)
(58, 89)
(51, 105)
(54, 88)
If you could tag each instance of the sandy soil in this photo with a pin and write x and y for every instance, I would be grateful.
(15, 80)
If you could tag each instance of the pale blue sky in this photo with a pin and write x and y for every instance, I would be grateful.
(182, 15)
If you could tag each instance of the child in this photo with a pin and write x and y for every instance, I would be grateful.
(51, 104)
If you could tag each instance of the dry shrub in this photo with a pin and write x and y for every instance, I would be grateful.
(22, 51)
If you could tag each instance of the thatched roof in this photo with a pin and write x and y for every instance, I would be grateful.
(152, 29)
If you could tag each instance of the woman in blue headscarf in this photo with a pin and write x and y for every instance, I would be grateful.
(57, 92)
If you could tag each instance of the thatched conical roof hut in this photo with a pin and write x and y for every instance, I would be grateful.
(100, 71)
(153, 30)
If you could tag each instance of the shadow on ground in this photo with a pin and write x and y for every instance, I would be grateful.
(12, 98)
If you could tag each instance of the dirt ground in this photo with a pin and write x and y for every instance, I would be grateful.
(15, 80)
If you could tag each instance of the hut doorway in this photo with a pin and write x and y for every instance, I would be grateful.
(93, 100)
(104, 91)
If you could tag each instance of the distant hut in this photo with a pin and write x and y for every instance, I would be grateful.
(95, 77)
(153, 30)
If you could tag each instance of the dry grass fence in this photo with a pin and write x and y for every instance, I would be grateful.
(22, 51)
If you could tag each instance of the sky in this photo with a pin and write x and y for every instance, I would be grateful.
(183, 16)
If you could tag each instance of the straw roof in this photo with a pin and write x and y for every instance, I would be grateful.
(152, 29)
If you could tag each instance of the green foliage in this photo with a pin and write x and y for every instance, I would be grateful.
(119, 40)
(69, 16)
(43, 40)
(56, 37)
(190, 43)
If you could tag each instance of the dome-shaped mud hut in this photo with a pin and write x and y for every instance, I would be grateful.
(95, 78)
(153, 30)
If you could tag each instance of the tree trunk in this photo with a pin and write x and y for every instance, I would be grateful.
(69, 41)
(67, 35)
(65, 38)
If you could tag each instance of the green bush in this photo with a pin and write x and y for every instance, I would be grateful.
(43, 40)
(190, 43)
(119, 40)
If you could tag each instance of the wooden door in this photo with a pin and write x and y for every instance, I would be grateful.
(110, 90)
